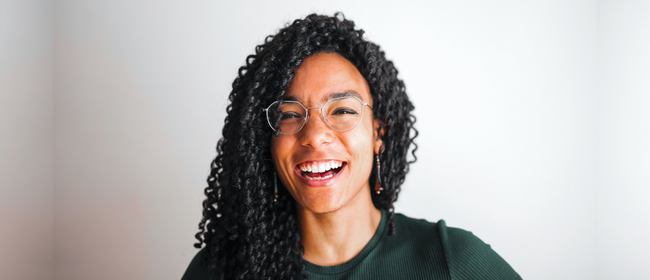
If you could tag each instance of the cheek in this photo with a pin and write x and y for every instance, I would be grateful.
(362, 146)
(279, 149)
(366, 137)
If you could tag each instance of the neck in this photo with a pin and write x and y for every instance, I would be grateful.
(336, 237)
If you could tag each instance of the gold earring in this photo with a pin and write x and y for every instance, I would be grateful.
(378, 187)
(275, 187)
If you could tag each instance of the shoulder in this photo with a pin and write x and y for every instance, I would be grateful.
(197, 270)
(468, 257)
(465, 255)
(417, 234)
(409, 226)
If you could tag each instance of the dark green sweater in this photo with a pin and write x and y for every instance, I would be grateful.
(420, 250)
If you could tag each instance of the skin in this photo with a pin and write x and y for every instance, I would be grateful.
(338, 219)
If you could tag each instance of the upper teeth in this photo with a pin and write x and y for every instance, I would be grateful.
(320, 166)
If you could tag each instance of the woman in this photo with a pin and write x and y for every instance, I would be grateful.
(313, 154)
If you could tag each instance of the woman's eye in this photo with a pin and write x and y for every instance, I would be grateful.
(344, 111)
(289, 115)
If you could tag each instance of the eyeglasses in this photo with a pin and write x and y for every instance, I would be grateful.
(340, 114)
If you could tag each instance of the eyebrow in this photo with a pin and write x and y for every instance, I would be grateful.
(343, 94)
(327, 97)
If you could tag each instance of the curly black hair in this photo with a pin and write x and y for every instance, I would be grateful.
(247, 235)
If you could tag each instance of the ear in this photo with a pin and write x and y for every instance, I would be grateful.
(378, 132)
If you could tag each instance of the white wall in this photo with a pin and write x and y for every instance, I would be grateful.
(531, 118)
(623, 171)
(26, 128)
(127, 204)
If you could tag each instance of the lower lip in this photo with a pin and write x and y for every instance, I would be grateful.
(319, 183)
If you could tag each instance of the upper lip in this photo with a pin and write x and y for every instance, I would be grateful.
(319, 165)
(319, 160)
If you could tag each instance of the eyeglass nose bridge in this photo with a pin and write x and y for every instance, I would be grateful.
(320, 111)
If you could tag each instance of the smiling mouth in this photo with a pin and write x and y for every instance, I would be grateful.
(321, 170)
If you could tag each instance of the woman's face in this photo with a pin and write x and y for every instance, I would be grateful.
(320, 77)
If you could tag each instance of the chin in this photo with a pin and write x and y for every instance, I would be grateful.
(322, 206)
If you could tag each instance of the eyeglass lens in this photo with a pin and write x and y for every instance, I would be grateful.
(340, 114)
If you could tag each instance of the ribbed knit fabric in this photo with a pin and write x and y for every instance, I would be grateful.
(420, 250)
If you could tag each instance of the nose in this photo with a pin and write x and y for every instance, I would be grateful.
(315, 133)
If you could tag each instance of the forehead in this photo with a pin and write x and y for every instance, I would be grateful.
(327, 75)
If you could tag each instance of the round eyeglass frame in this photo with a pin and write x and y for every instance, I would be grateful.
(304, 121)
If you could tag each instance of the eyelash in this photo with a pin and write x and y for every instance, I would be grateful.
(346, 111)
